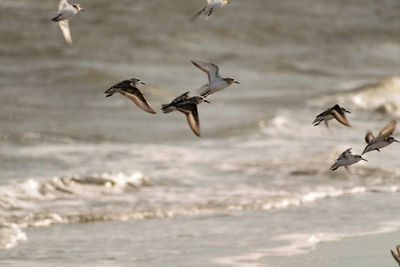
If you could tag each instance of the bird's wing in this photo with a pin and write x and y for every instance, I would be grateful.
(387, 130)
(64, 26)
(345, 154)
(323, 114)
(340, 117)
(211, 69)
(125, 84)
(137, 97)
(192, 117)
(396, 257)
(369, 137)
(62, 4)
(180, 98)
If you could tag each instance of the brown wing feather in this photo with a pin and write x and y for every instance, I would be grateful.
(340, 118)
(137, 97)
(387, 130)
(396, 257)
(192, 117)
(369, 137)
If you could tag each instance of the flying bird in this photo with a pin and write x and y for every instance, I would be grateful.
(396, 256)
(383, 139)
(66, 11)
(346, 159)
(215, 82)
(336, 112)
(209, 9)
(188, 106)
(128, 88)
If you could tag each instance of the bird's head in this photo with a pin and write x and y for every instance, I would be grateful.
(78, 7)
(391, 139)
(198, 99)
(345, 110)
(137, 81)
(361, 158)
(230, 81)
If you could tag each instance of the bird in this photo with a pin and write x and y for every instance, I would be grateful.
(346, 159)
(336, 112)
(383, 139)
(128, 88)
(209, 9)
(188, 106)
(396, 256)
(215, 82)
(66, 11)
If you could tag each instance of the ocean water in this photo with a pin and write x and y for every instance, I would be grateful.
(91, 180)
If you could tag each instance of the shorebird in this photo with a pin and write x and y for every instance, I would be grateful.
(128, 88)
(188, 106)
(336, 112)
(383, 139)
(346, 159)
(396, 256)
(66, 11)
(215, 82)
(209, 9)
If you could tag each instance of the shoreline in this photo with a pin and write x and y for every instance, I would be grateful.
(360, 251)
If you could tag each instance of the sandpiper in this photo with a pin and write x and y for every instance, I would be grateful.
(209, 9)
(215, 82)
(346, 159)
(128, 88)
(188, 106)
(66, 11)
(336, 112)
(396, 256)
(383, 139)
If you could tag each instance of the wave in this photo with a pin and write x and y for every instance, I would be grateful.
(301, 243)
(381, 96)
(121, 197)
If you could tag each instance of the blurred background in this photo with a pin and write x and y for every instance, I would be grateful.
(257, 182)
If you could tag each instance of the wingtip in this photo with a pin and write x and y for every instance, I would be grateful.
(396, 257)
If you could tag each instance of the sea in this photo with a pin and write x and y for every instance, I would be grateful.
(92, 181)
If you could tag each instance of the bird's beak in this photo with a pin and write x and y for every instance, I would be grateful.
(394, 140)
(205, 100)
(364, 159)
(347, 111)
(83, 10)
(143, 83)
(237, 82)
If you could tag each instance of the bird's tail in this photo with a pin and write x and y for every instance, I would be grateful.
(110, 91)
(317, 121)
(195, 16)
(334, 167)
(56, 18)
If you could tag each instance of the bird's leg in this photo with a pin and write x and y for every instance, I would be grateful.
(210, 12)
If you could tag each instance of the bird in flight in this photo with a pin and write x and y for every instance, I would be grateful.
(128, 88)
(65, 12)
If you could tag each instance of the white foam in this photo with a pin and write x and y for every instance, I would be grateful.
(10, 235)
